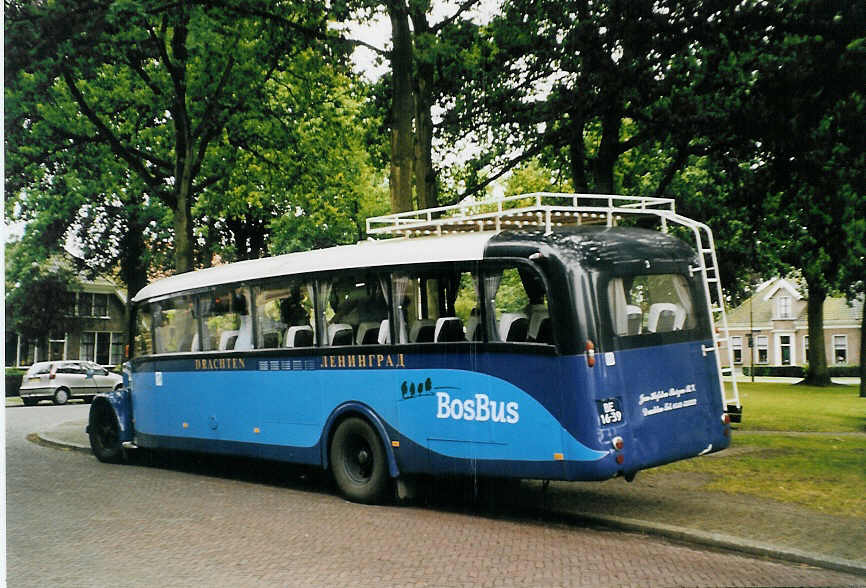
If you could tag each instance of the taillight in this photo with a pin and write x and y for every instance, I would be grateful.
(726, 419)
(590, 353)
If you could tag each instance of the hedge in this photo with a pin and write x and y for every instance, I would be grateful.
(796, 371)
(13, 380)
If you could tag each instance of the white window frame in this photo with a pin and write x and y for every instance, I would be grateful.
(65, 342)
(844, 339)
(791, 346)
(737, 345)
(783, 307)
(759, 346)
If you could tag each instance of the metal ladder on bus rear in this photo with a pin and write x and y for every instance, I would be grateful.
(709, 270)
(551, 210)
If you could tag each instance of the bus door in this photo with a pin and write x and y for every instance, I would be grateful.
(661, 387)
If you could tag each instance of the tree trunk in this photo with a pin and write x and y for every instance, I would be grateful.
(425, 177)
(402, 108)
(608, 153)
(577, 155)
(817, 375)
(183, 251)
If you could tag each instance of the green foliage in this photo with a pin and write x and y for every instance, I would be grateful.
(38, 296)
(175, 122)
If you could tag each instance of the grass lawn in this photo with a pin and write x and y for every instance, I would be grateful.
(825, 472)
(786, 407)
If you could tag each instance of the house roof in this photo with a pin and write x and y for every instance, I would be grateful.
(838, 311)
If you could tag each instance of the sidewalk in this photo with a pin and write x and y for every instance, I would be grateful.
(671, 505)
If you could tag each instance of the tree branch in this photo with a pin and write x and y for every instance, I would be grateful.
(130, 156)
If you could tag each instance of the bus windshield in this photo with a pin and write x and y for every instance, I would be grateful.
(652, 309)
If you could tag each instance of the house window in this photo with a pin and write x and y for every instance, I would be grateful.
(85, 304)
(737, 348)
(56, 346)
(784, 307)
(100, 305)
(87, 349)
(763, 345)
(806, 348)
(102, 347)
(117, 345)
(840, 349)
(785, 349)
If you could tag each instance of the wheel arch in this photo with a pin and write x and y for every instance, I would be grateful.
(120, 402)
(363, 411)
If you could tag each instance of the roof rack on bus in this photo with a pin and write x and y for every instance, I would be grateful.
(539, 209)
(552, 210)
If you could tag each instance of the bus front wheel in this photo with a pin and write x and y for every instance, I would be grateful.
(358, 461)
(104, 433)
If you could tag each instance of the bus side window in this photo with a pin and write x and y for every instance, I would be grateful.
(174, 324)
(143, 341)
(226, 321)
(517, 303)
(355, 310)
(285, 315)
(436, 307)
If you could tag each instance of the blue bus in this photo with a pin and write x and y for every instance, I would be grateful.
(547, 341)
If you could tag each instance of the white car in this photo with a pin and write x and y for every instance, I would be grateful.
(61, 381)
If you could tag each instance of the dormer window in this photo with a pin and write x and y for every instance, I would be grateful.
(783, 307)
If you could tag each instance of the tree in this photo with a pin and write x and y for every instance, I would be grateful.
(161, 87)
(808, 119)
(39, 294)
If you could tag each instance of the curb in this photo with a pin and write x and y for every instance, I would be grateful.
(682, 534)
(720, 541)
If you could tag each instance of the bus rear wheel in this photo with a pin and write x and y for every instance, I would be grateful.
(358, 461)
(104, 433)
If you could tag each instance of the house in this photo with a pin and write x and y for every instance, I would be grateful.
(99, 332)
(776, 317)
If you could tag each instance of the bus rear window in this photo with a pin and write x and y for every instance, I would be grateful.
(644, 305)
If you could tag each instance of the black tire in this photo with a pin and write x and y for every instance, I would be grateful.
(358, 462)
(30, 401)
(61, 396)
(104, 433)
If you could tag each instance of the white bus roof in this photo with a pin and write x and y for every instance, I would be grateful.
(391, 252)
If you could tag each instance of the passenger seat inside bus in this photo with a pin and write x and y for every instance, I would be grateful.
(227, 340)
(299, 336)
(665, 317)
(634, 317)
(513, 327)
(340, 334)
(473, 328)
(448, 329)
(423, 331)
(245, 334)
(368, 333)
(539, 324)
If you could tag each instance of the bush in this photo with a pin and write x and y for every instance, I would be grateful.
(777, 371)
(796, 371)
(844, 371)
(13, 381)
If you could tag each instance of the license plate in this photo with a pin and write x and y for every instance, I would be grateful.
(609, 411)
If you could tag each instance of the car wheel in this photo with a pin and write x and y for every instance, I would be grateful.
(104, 433)
(29, 401)
(358, 461)
(61, 396)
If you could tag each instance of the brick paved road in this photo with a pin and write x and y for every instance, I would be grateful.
(75, 522)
